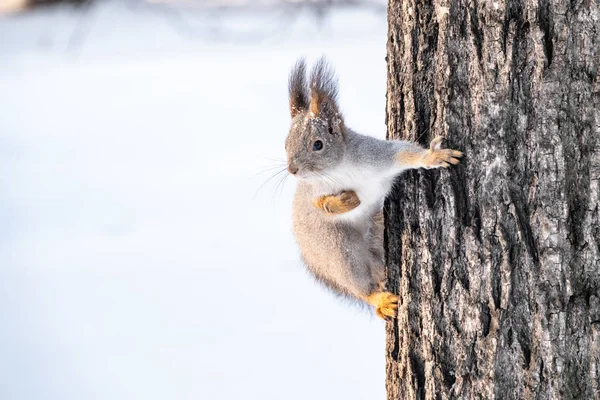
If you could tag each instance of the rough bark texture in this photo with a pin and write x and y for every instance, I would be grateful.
(497, 261)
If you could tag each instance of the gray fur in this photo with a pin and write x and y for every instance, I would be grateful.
(345, 251)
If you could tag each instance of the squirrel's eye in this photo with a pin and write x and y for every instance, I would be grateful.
(317, 145)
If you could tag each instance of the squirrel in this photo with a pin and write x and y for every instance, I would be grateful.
(343, 179)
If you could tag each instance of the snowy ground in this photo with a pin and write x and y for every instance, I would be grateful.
(137, 260)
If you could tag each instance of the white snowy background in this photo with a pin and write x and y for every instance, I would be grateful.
(137, 259)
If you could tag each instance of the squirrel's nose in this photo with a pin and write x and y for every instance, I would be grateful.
(292, 168)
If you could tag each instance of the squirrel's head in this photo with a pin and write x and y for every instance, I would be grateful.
(316, 141)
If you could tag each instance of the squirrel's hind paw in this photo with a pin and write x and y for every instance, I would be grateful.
(385, 303)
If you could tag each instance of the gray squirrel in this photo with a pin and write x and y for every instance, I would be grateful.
(343, 179)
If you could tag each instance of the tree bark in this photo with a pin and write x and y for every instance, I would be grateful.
(497, 260)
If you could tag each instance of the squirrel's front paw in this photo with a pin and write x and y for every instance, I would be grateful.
(437, 157)
(385, 303)
(338, 204)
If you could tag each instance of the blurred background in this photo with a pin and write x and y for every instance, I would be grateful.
(145, 251)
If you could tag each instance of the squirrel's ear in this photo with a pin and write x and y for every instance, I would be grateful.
(323, 95)
(298, 88)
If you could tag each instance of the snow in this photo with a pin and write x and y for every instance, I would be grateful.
(137, 259)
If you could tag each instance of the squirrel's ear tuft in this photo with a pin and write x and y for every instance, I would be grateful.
(298, 88)
(323, 93)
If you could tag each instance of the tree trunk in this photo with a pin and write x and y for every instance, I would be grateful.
(497, 260)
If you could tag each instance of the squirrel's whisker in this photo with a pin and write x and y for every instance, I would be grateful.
(332, 180)
(270, 169)
(277, 160)
(279, 187)
(269, 179)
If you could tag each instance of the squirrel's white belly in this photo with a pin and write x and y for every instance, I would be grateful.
(370, 186)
